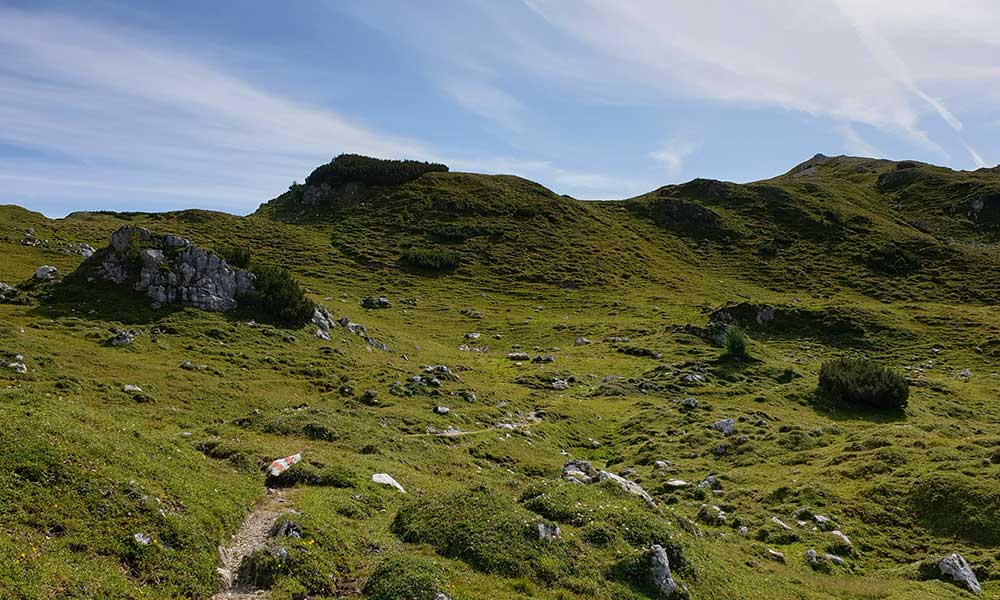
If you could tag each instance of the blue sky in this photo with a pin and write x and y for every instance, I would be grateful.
(167, 105)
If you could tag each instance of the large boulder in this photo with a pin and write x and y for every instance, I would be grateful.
(170, 270)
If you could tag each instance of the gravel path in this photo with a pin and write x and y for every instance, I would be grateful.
(253, 533)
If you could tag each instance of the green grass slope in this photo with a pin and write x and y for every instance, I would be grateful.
(852, 258)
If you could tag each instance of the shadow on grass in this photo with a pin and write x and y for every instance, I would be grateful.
(109, 303)
(839, 411)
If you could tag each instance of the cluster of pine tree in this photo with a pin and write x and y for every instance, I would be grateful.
(372, 171)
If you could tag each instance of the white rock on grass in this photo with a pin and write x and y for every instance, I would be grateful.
(956, 569)
(725, 426)
(46, 272)
(128, 388)
(659, 567)
(386, 479)
(627, 485)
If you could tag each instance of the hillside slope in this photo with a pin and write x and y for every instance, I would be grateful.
(109, 492)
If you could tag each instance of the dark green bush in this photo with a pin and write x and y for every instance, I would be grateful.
(280, 297)
(373, 171)
(863, 383)
(300, 562)
(235, 257)
(409, 577)
(736, 342)
(431, 259)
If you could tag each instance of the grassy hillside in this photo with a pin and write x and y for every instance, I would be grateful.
(852, 257)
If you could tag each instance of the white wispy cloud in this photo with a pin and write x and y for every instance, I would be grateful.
(675, 151)
(124, 113)
(854, 143)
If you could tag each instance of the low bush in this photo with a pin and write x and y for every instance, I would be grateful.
(279, 296)
(864, 384)
(431, 259)
(736, 342)
(401, 576)
(294, 561)
(372, 171)
(235, 257)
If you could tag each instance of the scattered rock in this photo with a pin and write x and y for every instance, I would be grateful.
(581, 341)
(659, 567)
(725, 426)
(46, 273)
(775, 555)
(833, 558)
(780, 523)
(823, 523)
(711, 514)
(372, 302)
(841, 544)
(85, 250)
(676, 483)
(579, 471)
(711, 482)
(142, 539)
(518, 356)
(18, 365)
(662, 464)
(386, 479)
(811, 557)
(965, 374)
(545, 358)
(128, 388)
(472, 336)
(692, 378)
(547, 532)
(560, 384)
(442, 410)
(123, 337)
(369, 398)
(956, 569)
(627, 485)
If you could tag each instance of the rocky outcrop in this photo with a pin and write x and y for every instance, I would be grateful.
(170, 270)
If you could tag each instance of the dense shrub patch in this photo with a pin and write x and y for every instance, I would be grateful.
(431, 259)
(281, 297)
(863, 383)
(373, 171)
(737, 342)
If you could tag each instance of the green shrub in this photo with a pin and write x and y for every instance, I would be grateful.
(401, 576)
(299, 562)
(431, 259)
(863, 383)
(236, 257)
(736, 342)
(372, 171)
(280, 297)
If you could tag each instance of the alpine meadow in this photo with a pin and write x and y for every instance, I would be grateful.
(465, 300)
